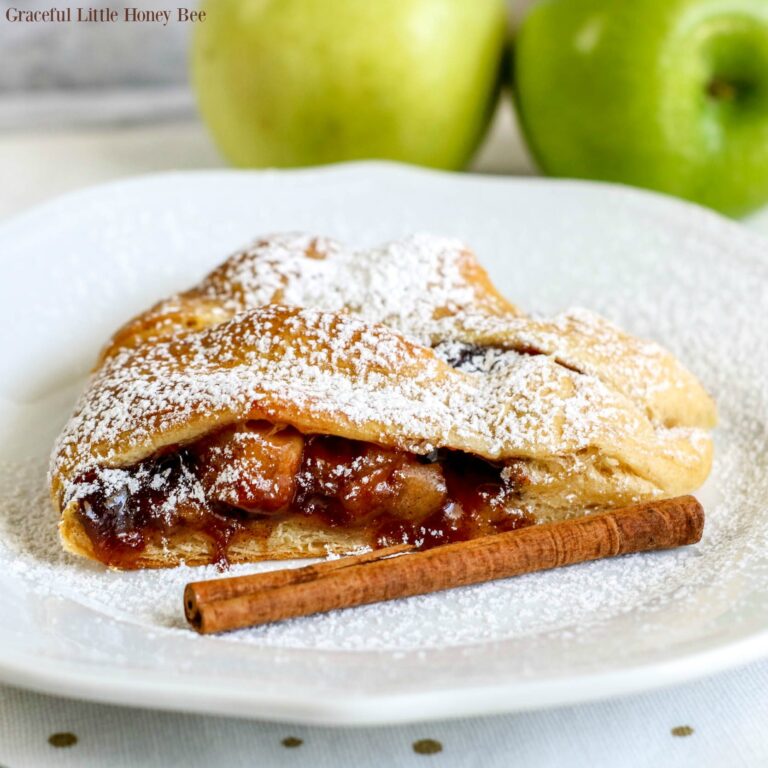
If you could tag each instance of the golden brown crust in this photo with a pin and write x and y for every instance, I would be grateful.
(432, 358)
(258, 540)
(450, 298)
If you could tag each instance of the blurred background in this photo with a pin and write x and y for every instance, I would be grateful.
(59, 75)
(53, 75)
(84, 103)
(670, 95)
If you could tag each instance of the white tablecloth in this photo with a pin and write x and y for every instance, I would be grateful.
(728, 713)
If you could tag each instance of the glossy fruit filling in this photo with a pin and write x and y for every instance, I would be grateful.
(245, 479)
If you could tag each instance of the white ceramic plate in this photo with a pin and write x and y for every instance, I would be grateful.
(76, 268)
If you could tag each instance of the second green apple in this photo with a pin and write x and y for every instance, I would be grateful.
(304, 82)
(666, 94)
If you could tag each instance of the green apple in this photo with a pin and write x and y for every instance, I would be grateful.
(666, 94)
(304, 82)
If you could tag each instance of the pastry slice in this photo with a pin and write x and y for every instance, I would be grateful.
(307, 399)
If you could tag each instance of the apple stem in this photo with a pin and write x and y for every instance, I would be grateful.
(721, 89)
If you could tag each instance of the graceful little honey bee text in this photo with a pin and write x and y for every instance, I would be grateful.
(88, 15)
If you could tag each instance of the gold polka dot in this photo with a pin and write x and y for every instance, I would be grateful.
(427, 747)
(291, 741)
(62, 739)
(682, 730)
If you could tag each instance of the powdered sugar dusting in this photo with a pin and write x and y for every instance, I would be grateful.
(349, 350)
(398, 284)
(567, 603)
(707, 306)
(567, 600)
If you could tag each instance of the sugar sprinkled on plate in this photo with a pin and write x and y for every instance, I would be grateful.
(565, 602)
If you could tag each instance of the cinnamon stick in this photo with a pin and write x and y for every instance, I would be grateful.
(233, 603)
(226, 588)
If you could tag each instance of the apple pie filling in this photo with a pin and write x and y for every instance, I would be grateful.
(251, 476)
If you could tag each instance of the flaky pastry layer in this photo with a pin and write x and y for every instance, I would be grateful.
(408, 346)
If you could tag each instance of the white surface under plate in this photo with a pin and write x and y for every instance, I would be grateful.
(75, 269)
